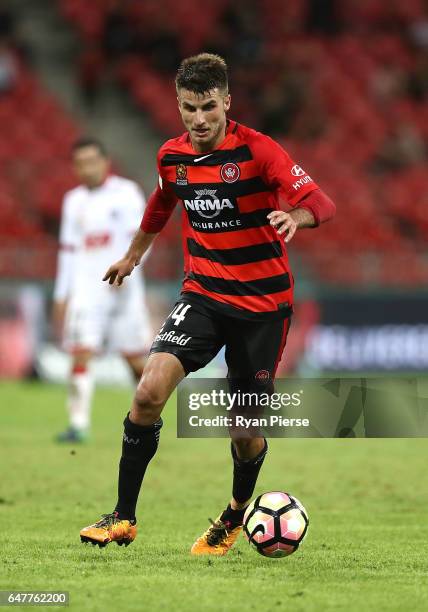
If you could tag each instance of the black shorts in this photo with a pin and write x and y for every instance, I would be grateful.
(195, 334)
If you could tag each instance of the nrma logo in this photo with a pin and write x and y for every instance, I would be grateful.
(206, 204)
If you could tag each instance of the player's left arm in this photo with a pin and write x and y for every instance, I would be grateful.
(312, 210)
(159, 209)
(310, 205)
(137, 205)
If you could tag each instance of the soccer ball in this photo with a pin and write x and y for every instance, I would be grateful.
(275, 523)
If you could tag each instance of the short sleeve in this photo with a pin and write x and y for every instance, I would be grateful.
(161, 203)
(163, 183)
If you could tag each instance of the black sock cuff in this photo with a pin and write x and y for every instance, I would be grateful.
(250, 462)
(235, 513)
(134, 428)
(235, 517)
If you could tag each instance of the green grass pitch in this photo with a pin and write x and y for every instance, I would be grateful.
(366, 548)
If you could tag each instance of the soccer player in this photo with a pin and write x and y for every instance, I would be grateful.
(237, 290)
(98, 220)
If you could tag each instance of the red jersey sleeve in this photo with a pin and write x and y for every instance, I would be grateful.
(279, 171)
(320, 205)
(160, 205)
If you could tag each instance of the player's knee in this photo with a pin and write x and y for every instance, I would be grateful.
(149, 399)
(136, 365)
(81, 359)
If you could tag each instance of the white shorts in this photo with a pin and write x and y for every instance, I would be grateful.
(116, 321)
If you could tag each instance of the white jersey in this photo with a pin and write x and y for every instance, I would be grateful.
(97, 226)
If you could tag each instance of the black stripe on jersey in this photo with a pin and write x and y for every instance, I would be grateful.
(222, 190)
(257, 218)
(238, 255)
(216, 158)
(260, 286)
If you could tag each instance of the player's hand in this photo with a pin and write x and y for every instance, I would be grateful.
(119, 270)
(283, 222)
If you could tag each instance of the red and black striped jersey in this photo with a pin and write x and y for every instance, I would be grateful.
(234, 259)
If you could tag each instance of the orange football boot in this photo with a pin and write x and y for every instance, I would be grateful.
(109, 529)
(217, 540)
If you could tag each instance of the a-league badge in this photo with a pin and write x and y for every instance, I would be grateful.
(181, 174)
(230, 172)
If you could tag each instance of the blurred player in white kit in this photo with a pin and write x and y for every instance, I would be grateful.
(99, 217)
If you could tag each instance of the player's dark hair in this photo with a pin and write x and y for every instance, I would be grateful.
(88, 141)
(202, 73)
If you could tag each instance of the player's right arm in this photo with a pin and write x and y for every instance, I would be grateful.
(159, 209)
(124, 267)
(68, 243)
